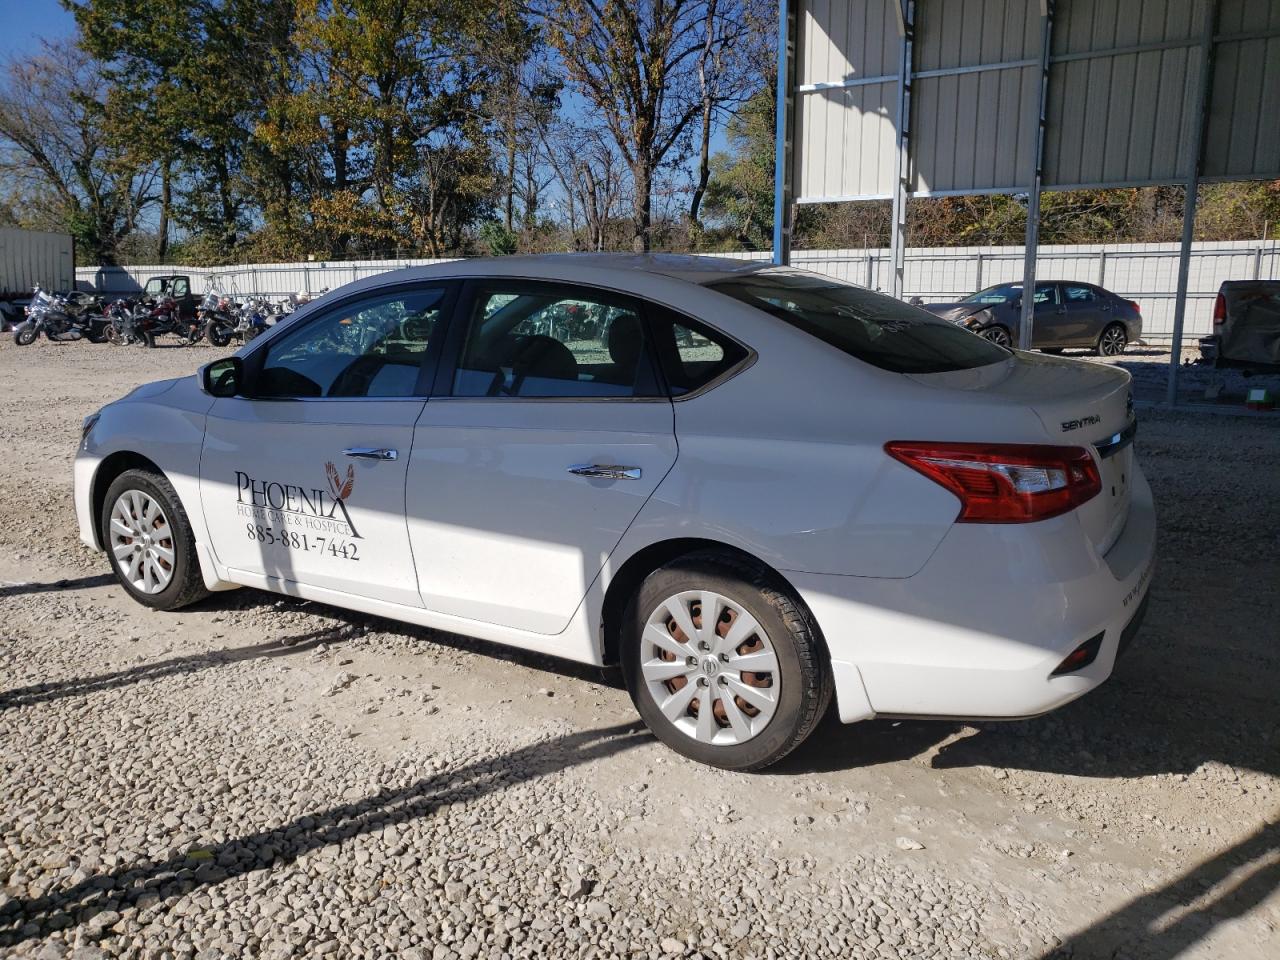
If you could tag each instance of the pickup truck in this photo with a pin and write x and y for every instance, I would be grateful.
(174, 285)
(1246, 327)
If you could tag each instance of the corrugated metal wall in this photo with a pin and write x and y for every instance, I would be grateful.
(1122, 117)
(1122, 90)
(976, 130)
(30, 257)
(844, 135)
(1143, 272)
(1244, 113)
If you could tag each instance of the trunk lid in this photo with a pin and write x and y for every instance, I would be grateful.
(1080, 404)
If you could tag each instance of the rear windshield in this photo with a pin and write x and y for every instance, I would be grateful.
(870, 326)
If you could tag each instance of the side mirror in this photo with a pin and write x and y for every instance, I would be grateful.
(223, 378)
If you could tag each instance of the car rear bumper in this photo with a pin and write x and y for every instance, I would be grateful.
(978, 632)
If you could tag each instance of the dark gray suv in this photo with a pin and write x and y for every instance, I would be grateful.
(1068, 314)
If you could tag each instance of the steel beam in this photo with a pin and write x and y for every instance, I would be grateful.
(1026, 320)
(898, 212)
(1195, 146)
(784, 132)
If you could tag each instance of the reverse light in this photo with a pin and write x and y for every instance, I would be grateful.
(1219, 310)
(1005, 482)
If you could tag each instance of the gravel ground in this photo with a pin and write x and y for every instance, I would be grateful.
(264, 777)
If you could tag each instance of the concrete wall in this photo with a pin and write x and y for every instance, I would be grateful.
(1146, 273)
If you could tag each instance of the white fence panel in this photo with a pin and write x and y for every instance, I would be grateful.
(1144, 272)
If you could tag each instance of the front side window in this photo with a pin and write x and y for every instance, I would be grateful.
(877, 329)
(531, 340)
(368, 348)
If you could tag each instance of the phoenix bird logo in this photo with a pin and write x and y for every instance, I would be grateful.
(340, 488)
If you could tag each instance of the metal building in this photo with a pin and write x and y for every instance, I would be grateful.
(893, 99)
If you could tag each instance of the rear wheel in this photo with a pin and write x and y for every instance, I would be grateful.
(999, 336)
(148, 538)
(1113, 341)
(723, 663)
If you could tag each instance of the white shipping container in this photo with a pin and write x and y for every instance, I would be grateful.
(30, 257)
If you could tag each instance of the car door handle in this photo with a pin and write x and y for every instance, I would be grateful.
(605, 471)
(371, 453)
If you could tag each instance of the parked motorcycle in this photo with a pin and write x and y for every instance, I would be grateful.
(119, 315)
(220, 318)
(154, 318)
(60, 318)
(244, 322)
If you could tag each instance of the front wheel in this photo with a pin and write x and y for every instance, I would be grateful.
(723, 663)
(149, 541)
(217, 334)
(1113, 341)
(25, 334)
(999, 336)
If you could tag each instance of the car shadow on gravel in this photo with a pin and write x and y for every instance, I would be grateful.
(1161, 720)
(27, 919)
(835, 746)
(79, 583)
(174, 666)
(1166, 922)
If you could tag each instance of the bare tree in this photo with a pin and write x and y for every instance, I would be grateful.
(55, 150)
(649, 68)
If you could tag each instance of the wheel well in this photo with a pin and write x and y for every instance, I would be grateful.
(110, 468)
(624, 583)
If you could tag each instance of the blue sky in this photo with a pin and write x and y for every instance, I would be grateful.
(26, 22)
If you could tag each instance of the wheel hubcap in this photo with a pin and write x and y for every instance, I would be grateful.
(710, 668)
(1113, 342)
(142, 541)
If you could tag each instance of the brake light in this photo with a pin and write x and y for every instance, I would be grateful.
(1005, 482)
(1136, 306)
(1219, 310)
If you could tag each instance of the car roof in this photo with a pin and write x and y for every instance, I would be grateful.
(605, 269)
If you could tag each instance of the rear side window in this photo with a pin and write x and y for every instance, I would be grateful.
(692, 355)
(874, 328)
(527, 339)
(1078, 294)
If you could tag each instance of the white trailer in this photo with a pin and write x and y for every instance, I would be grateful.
(30, 257)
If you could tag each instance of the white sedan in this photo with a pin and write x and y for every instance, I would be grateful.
(752, 487)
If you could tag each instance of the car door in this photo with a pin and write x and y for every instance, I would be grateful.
(1046, 331)
(546, 434)
(1084, 314)
(303, 480)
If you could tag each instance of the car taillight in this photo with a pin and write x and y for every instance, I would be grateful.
(1005, 482)
(1136, 306)
(1219, 310)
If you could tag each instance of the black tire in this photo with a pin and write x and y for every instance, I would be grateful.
(25, 334)
(186, 585)
(1112, 341)
(998, 335)
(148, 340)
(805, 677)
(217, 334)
